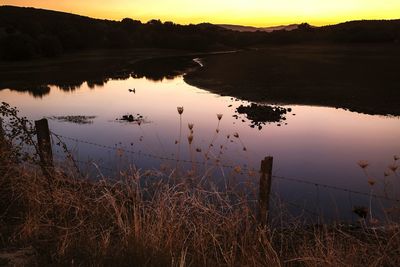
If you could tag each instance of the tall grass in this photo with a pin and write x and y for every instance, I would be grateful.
(155, 219)
(138, 221)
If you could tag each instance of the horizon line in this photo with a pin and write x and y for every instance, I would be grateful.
(194, 23)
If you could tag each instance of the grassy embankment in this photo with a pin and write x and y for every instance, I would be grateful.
(362, 78)
(68, 220)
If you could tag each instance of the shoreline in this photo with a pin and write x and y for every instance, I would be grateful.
(307, 75)
(289, 75)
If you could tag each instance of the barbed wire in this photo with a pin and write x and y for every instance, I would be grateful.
(89, 162)
(334, 188)
(242, 169)
(302, 208)
(140, 153)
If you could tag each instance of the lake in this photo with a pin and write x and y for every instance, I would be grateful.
(317, 145)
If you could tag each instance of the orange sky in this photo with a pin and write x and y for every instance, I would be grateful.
(243, 12)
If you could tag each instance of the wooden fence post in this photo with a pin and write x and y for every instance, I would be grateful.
(265, 189)
(44, 144)
(46, 156)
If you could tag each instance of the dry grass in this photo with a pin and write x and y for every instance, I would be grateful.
(163, 223)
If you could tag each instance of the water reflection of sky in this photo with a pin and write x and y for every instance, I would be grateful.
(318, 144)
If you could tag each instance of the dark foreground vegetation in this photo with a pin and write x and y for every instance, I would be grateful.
(27, 33)
(67, 220)
(361, 78)
(61, 217)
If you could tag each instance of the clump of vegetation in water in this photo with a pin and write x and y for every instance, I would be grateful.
(139, 119)
(262, 114)
(78, 119)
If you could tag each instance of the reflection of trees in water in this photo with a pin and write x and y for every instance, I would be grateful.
(97, 83)
(164, 68)
(154, 70)
(37, 91)
(120, 75)
(70, 87)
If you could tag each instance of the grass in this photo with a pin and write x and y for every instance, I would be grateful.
(362, 78)
(62, 217)
(165, 221)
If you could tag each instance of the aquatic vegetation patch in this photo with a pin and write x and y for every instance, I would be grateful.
(259, 115)
(78, 119)
(138, 118)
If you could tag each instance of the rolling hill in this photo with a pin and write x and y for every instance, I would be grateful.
(27, 33)
(240, 28)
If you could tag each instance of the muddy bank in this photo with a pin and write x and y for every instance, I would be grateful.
(358, 77)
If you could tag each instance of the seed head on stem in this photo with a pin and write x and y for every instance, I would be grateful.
(363, 164)
(190, 139)
(371, 182)
(237, 169)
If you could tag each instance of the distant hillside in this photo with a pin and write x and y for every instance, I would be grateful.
(240, 28)
(362, 31)
(27, 33)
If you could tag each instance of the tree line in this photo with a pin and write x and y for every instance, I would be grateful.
(27, 33)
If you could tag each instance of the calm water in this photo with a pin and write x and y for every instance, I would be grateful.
(318, 144)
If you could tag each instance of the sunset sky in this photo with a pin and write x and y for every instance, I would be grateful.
(243, 12)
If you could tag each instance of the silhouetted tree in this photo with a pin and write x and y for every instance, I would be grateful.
(17, 47)
(130, 24)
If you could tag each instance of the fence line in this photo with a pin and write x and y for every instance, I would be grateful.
(303, 181)
(92, 162)
(310, 212)
(147, 154)
(334, 188)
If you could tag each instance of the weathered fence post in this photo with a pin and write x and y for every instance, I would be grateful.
(46, 156)
(44, 144)
(265, 189)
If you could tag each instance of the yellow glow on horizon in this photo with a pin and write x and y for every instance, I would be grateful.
(242, 12)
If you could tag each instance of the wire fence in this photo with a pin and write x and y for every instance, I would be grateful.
(140, 153)
(242, 169)
(334, 188)
(219, 164)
